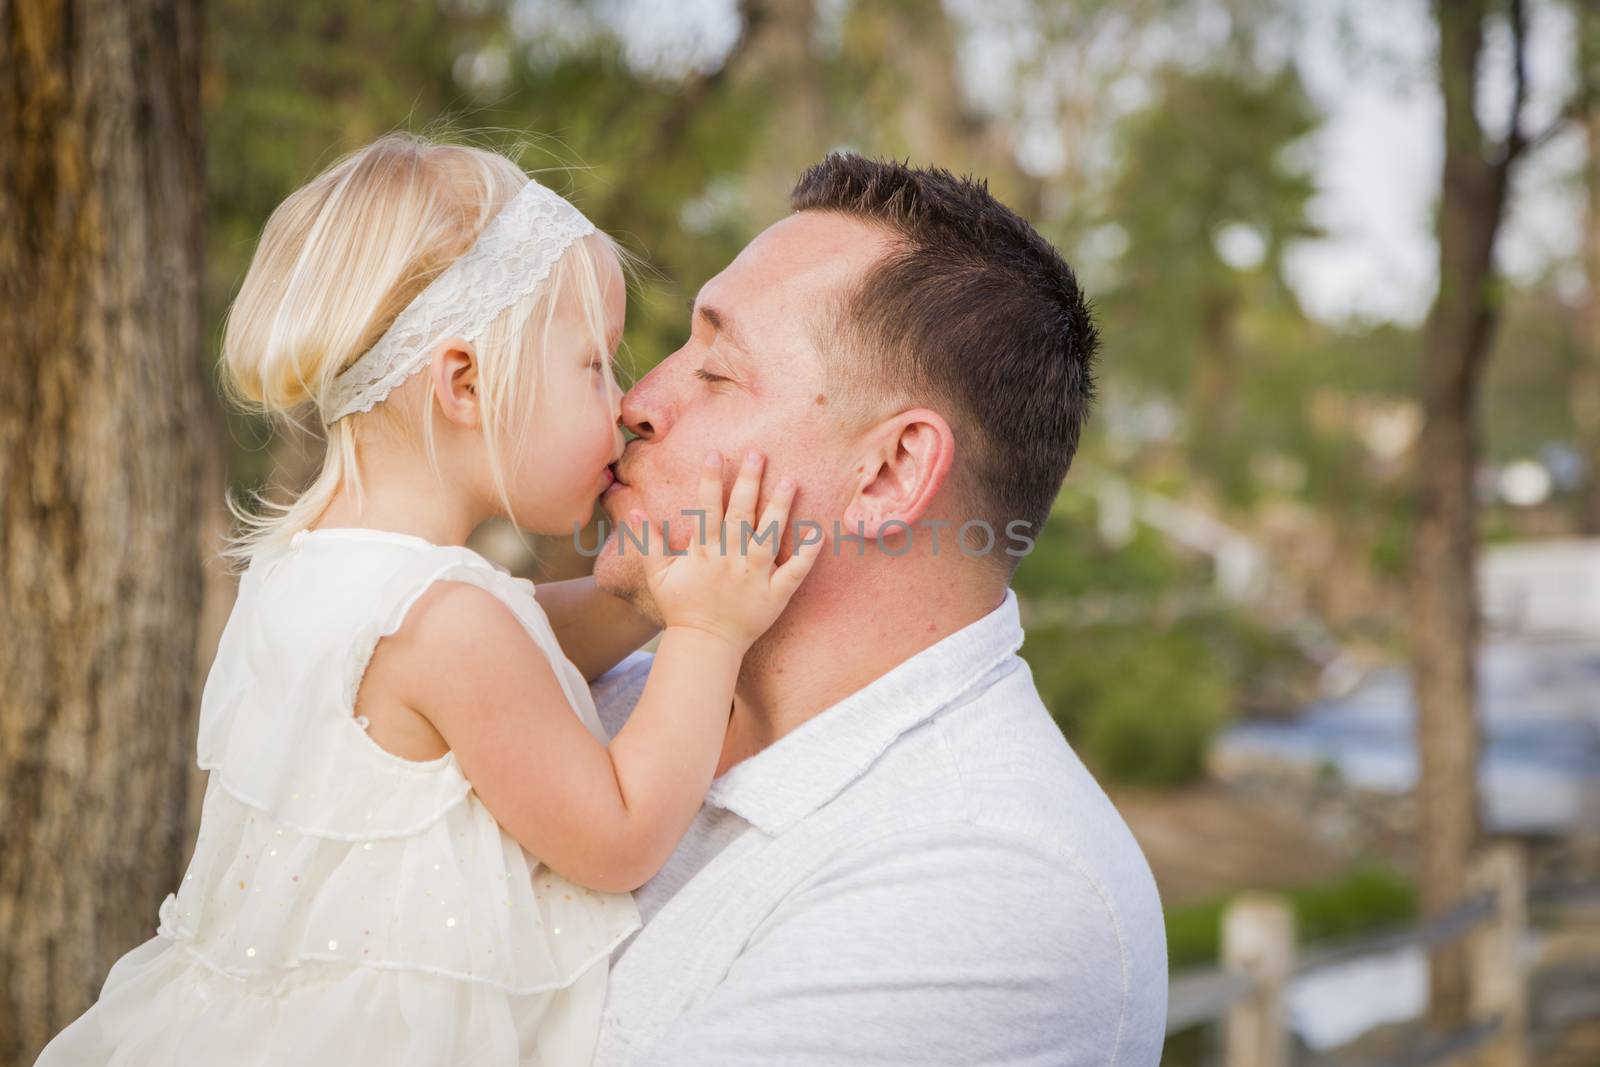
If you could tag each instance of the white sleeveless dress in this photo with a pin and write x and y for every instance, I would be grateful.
(346, 907)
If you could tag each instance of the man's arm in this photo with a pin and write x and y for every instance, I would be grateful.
(596, 629)
(616, 693)
(945, 945)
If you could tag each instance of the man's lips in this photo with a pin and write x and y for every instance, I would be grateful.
(613, 483)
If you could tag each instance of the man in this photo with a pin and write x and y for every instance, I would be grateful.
(900, 861)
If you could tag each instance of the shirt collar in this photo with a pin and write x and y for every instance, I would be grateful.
(813, 763)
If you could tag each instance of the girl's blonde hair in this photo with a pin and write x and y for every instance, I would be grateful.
(339, 260)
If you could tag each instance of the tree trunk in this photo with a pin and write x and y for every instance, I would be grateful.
(102, 411)
(1585, 396)
(1443, 616)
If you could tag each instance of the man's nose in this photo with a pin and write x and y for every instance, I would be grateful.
(643, 413)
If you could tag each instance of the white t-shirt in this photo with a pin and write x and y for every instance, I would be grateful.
(924, 873)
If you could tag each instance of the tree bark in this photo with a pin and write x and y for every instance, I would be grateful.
(1585, 397)
(1443, 614)
(102, 415)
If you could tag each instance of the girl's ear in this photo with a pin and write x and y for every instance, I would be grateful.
(454, 373)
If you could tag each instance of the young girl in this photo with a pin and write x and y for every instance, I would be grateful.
(417, 847)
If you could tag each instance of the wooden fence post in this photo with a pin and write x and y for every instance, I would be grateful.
(1258, 946)
(1494, 949)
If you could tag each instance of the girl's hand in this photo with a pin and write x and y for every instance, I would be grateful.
(723, 585)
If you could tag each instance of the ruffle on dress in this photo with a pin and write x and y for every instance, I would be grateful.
(161, 1006)
(459, 899)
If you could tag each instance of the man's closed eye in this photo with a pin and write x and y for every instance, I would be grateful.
(706, 376)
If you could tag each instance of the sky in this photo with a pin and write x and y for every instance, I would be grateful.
(1367, 63)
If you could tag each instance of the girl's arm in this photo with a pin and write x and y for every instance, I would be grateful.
(604, 817)
(596, 630)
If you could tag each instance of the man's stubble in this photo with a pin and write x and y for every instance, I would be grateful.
(619, 570)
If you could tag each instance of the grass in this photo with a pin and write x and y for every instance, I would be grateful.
(1364, 901)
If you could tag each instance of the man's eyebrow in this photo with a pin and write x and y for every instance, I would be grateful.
(723, 324)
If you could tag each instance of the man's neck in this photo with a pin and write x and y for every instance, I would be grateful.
(837, 641)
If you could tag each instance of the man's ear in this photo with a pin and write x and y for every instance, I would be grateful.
(454, 374)
(903, 466)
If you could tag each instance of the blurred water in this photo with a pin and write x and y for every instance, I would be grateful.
(1334, 1007)
(1539, 773)
(1540, 710)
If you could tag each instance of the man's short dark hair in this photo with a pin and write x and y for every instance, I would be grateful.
(973, 308)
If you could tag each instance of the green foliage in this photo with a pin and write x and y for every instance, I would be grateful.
(290, 87)
(1194, 934)
(1527, 383)
(1390, 548)
(1368, 899)
(1365, 901)
(1219, 156)
(1140, 699)
(1140, 703)
(1156, 732)
(615, 127)
(1069, 558)
(1214, 154)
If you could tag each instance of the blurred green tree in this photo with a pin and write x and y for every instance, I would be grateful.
(1211, 191)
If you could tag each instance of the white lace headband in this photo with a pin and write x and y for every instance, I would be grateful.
(513, 255)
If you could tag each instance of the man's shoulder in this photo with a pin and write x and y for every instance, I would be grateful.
(999, 762)
(998, 807)
(1039, 871)
(996, 769)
